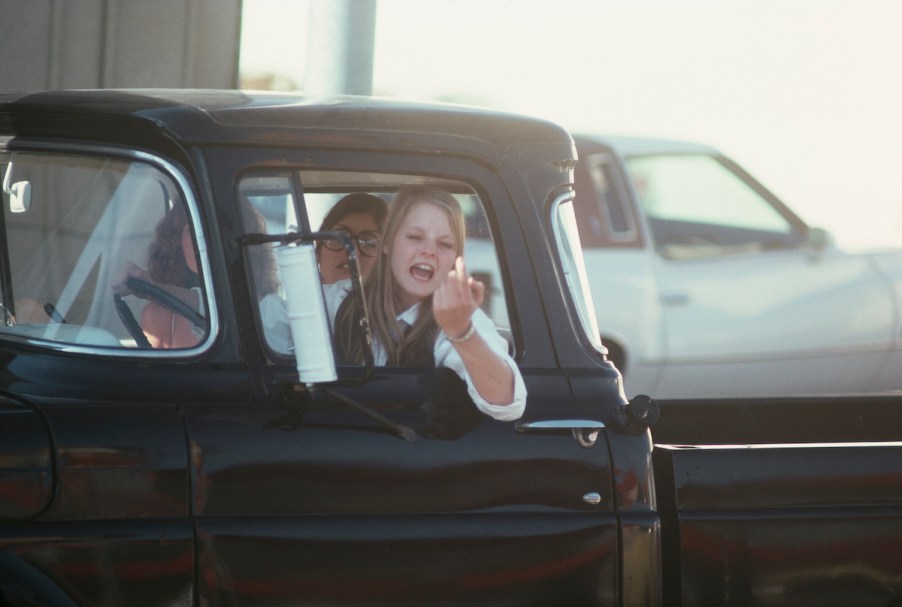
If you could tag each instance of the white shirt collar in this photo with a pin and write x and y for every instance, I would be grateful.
(410, 314)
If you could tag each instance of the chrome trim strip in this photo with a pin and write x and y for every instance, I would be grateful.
(559, 424)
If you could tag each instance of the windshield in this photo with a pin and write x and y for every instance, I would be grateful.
(571, 258)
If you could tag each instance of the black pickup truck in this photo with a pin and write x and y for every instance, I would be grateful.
(241, 468)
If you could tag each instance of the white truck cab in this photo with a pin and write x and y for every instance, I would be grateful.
(706, 284)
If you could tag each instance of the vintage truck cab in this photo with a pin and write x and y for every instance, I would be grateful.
(207, 472)
(222, 457)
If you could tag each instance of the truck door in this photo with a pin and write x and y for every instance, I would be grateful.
(93, 458)
(25, 472)
(312, 499)
(94, 519)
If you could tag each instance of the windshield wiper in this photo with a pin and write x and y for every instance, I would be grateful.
(404, 432)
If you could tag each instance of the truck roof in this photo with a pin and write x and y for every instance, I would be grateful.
(204, 115)
(641, 146)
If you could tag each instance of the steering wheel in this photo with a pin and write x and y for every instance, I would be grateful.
(131, 325)
(163, 297)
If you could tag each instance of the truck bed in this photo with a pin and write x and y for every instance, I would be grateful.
(780, 502)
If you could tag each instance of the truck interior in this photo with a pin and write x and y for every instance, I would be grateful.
(298, 200)
(86, 217)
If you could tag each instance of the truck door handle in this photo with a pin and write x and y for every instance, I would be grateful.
(585, 431)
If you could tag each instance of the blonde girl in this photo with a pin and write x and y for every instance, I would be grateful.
(424, 308)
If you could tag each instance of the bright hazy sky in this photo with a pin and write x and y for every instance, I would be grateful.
(805, 94)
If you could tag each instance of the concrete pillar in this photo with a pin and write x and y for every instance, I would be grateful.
(342, 37)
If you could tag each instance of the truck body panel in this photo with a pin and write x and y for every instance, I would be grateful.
(208, 474)
(782, 524)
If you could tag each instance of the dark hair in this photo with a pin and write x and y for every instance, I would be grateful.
(165, 259)
(358, 202)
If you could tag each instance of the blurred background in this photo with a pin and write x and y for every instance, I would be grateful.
(805, 94)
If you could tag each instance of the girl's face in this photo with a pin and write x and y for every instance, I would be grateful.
(333, 265)
(423, 252)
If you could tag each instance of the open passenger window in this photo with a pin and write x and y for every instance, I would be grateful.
(274, 203)
(73, 223)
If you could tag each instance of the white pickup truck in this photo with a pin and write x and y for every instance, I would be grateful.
(706, 284)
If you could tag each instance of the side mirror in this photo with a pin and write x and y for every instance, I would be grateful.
(19, 192)
(817, 241)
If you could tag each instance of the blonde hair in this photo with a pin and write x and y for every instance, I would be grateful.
(381, 290)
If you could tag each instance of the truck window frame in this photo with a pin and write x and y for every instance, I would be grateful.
(163, 169)
(310, 205)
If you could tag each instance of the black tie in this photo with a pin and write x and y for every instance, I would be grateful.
(405, 327)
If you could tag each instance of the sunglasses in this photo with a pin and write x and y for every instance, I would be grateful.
(367, 242)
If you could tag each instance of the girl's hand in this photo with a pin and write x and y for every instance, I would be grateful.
(453, 304)
(455, 300)
(130, 270)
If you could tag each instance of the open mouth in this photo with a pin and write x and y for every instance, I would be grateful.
(422, 271)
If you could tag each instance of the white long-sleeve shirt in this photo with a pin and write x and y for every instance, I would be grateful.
(446, 355)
